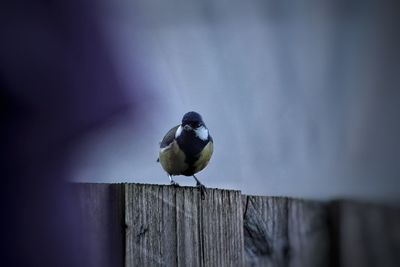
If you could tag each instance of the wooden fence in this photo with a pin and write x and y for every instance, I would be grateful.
(160, 225)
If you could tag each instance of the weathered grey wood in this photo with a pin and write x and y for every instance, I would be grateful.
(156, 225)
(169, 226)
(102, 225)
(285, 232)
(309, 233)
(368, 234)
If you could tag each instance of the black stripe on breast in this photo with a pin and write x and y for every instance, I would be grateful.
(191, 145)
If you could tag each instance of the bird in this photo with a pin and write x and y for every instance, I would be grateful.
(187, 148)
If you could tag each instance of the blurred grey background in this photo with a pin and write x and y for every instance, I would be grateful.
(301, 97)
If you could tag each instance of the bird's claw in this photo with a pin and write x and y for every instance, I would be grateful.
(173, 183)
(202, 188)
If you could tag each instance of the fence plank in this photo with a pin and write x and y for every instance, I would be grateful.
(368, 234)
(168, 226)
(101, 209)
(285, 232)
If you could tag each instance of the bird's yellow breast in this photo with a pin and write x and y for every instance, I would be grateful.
(172, 159)
(205, 156)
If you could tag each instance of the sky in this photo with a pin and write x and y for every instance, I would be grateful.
(301, 98)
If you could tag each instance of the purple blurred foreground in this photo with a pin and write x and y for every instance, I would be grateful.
(57, 83)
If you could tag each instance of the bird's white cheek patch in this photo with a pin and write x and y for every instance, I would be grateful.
(201, 133)
(178, 131)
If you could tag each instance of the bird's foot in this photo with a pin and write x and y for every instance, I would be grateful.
(203, 189)
(173, 183)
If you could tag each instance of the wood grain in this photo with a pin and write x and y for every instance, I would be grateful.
(368, 234)
(169, 226)
(285, 232)
(162, 225)
(101, 207)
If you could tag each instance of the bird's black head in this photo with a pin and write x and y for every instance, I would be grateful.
(192, 119)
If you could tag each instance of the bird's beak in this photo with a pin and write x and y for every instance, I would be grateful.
(187, 127)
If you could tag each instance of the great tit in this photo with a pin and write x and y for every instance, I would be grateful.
(187, 148)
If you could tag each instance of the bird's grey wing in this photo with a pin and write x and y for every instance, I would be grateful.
(169, 137)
